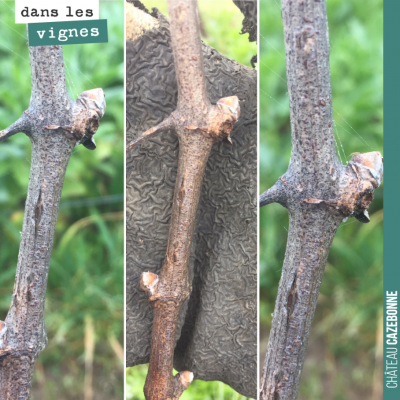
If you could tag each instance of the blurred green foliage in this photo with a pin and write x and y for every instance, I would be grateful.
(198, 390)
(221, 22)
(341, 353)
(87, 268)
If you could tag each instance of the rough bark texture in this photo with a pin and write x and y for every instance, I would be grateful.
(217, 329)
(318, 191)
(54, 124)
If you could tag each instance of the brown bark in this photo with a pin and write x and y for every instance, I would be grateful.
(198, 125)
(318, 191)
(54, 124)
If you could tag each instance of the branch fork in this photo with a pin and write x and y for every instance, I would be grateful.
(219, 122)
(363, 174)
(87, 111)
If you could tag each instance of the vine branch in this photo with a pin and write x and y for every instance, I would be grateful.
(198, 125)
(319, 193)
(55, 125)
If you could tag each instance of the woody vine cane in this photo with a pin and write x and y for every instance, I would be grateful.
(318, 191)
(55, 124)
(198, 125)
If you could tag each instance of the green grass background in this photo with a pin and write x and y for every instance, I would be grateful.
(343, 360)
(86, 270)
(221, 22)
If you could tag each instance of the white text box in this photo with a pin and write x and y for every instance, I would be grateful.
(28, 11)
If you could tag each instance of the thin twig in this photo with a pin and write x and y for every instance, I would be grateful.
(21, 125)
(275, 194)
(166, 125)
